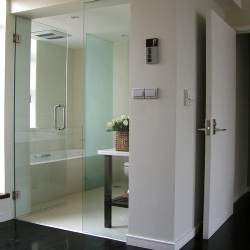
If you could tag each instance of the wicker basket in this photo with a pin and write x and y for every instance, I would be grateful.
(122, 141)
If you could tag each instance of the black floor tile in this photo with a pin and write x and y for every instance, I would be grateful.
(20, 235)
(234, 233)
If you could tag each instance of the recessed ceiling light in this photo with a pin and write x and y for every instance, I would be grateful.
(74, 17)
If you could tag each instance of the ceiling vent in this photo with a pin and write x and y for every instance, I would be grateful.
(49, 34)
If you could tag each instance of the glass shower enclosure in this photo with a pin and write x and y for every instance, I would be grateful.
(64, 97)
(40, 117)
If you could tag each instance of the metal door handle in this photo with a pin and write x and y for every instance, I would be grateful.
(217, 129)
(202, 129)
(55, 117)
(214, 129)
(220, 129)
(207, 128)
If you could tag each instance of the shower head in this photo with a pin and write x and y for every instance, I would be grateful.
(49, 34)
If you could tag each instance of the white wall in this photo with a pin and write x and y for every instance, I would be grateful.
(191, 58)
(153, 126)
(239, 17)
(36, 8)
(167, 153)
(34, 4)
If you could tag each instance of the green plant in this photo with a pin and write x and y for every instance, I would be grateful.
(120, 124)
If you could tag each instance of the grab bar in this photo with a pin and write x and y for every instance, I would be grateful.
(42, 155)
(55, 117)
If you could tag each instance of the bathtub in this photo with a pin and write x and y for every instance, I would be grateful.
(53, 175)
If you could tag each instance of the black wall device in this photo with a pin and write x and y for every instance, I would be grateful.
(152, 51)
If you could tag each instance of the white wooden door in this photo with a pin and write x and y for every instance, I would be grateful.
(220, 105)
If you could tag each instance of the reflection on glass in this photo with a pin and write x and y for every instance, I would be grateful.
(48, 145)
(33, 58)
(40, 149)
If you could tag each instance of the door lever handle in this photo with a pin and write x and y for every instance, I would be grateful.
(219, 129)
(202, 129)
(207, 128)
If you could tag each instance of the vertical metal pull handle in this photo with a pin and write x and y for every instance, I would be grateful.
(55, 117)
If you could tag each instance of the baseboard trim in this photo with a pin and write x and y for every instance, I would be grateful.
(138, 241)
(162, 245)
(188, 236)
(5, 217)
(239, 194)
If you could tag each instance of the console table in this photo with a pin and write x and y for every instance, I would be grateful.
(120, 201)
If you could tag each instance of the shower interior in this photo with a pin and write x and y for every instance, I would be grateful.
(65, 160)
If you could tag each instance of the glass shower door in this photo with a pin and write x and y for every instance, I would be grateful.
(40, 117)
(106, 96)
(98, 107)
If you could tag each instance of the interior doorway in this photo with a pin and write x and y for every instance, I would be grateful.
(242, 172)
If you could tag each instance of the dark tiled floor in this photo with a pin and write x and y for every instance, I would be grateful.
(234, 233)
(19, 235)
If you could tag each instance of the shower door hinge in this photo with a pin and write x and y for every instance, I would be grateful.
(16, 38)
(15, 195)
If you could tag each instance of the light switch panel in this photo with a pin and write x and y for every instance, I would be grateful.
(188, 97)
(138, 93)
(151, 93)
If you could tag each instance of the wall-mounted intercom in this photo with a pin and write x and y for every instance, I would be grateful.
(152, 51)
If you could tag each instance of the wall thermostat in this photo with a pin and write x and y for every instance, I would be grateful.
(152, 51)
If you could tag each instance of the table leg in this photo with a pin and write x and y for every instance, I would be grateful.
(108, 191)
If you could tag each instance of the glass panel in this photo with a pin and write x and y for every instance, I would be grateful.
(40, 104)
(99, 107)
(106, 75)
(22, 109)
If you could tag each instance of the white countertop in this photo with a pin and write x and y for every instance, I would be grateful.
(112, 151)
